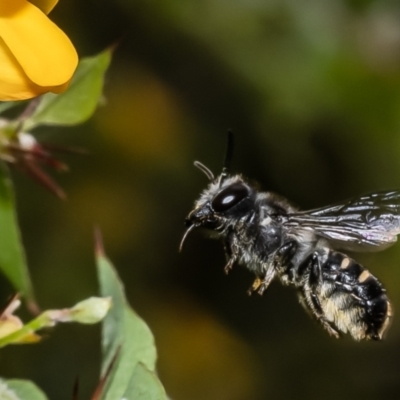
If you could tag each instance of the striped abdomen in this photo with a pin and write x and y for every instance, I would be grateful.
(352, 299)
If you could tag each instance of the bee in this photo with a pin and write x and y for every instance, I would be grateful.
(272, 238)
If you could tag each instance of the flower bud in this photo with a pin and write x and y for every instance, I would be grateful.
(91, 311)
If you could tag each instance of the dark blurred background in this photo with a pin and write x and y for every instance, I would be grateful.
(312, 91)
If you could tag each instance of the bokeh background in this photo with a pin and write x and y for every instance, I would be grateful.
(312, 90)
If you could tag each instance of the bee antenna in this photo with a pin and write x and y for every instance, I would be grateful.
(228, 157)
(204, 169)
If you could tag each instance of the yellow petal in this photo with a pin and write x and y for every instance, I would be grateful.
(45, 5)
(43, 50)
(14, 84)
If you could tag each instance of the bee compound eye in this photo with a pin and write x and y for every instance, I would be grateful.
(229, 197)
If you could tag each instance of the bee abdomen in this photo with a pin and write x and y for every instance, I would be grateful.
(353, 299)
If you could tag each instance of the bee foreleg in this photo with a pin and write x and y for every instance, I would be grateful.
(232, 252)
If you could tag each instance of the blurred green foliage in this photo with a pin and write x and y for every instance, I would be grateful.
(128, 350)
(15, 389)
(12, 256)
(312, 91)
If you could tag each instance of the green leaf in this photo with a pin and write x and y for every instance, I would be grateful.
(125, 337)
(79, 101)
(144, 385)
(18, 389)
(113, 325)
(12, 256)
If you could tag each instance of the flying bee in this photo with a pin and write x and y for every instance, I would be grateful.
(272, 238)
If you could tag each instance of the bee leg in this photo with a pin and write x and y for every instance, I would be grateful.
(269, 275)
(229, 265)
(281, 261)
(282, 257)
(286, 252)
(255, 286)
(232, 252)
(261, 284)
(315, 271)
(311, 297)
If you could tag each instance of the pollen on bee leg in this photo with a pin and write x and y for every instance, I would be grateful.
(255, 286)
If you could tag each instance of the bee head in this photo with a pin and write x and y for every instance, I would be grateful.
(220, 205)
(223, 202)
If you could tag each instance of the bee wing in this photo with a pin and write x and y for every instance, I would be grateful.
(366, 223)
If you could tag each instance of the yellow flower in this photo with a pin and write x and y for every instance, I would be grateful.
(35, 55)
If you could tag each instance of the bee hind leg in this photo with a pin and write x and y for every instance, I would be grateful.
(319, 314)
(309, 297)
